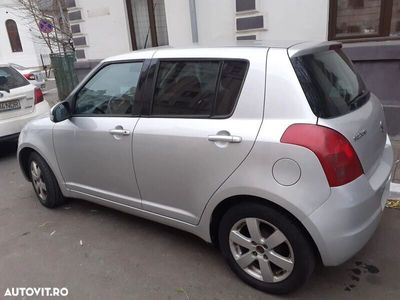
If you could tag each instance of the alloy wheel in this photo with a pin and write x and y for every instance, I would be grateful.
(261, 250)
(38, 181)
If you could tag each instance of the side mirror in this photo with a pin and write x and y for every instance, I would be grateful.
(60, 112)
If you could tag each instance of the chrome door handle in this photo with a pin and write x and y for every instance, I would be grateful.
(225, 138)
(119, 132)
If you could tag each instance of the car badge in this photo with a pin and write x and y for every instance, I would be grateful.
(359, 135)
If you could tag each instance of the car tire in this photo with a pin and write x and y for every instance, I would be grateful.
(44, 182)
(277, 258)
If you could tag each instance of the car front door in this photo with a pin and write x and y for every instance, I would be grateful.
(94, 146)
(195, 138)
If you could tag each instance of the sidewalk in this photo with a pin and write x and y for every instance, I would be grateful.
(396, 171)
(395, 185)
(50, 93)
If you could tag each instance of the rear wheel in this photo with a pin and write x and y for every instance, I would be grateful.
(44, 182)
(265, 248)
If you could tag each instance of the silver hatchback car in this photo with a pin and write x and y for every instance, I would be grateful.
(277, 153)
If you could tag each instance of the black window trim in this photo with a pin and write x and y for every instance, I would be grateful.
(153, 80)
(217, 86)
(142, 77)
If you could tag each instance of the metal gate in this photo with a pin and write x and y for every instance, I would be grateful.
(64, 72)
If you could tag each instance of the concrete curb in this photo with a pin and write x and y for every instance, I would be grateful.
(394, 191)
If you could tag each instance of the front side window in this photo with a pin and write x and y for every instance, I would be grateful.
(198, 88)
(111, 91)
(11, 79)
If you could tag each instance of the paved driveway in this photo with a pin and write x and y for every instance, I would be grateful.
(125, 257)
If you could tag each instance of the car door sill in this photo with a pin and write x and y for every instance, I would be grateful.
(73, 187)
(136, 211)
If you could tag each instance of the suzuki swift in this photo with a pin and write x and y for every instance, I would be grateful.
(275, 152)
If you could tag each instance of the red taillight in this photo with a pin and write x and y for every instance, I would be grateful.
(336, 155)
(38, 95)
(29, 76)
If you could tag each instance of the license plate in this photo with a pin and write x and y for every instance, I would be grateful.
(10, 105)
(38, 77)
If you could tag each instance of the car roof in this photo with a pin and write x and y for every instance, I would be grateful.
(295, 48)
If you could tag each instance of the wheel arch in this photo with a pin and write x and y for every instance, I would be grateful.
(23, 159)
(227, 203)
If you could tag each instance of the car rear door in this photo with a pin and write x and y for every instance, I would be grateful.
(94, 146)
(197, 132)
(16, 94)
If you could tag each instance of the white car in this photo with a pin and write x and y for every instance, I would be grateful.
(34, 75)
(20, 102)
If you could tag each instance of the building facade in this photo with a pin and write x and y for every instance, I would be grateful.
(18, 44)
(103, 28)
(135, 24)
(370, 30)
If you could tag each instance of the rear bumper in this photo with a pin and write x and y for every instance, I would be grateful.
(13, 126)
(350, 216)
(39, 84)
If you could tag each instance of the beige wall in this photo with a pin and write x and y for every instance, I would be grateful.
(283, 19)
(178, 22)
(105, 26)
(295, 19)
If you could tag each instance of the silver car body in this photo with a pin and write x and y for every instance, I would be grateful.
(167, 170)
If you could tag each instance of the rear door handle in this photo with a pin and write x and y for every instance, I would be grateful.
(119, 132)
(225, 138)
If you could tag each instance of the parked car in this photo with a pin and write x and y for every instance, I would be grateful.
(276, 153)
(20, 102)
(35, 76)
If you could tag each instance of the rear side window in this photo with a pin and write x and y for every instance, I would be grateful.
(11, 79)
(198, 88)
(185, 88)
(232, 75)
(331, 85)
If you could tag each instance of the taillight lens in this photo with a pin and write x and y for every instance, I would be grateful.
(38, 95)
(336, 155)
(29, 76)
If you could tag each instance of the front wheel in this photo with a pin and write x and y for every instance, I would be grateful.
(44, 182)
(266, 248)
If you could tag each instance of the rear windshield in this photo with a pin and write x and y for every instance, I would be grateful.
(331, 85)
(11, 79)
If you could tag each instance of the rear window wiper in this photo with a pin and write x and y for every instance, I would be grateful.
(5, 89)
(359, 97)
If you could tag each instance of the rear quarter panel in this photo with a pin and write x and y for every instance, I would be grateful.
(369, 119)
(285, 104)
